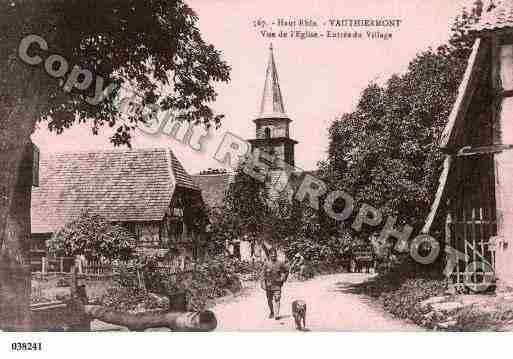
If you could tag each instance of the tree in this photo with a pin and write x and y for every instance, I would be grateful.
(385, 152)
(153, 48)
(94, 237)
(245, 211)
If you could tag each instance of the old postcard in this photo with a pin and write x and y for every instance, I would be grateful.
(243, 166)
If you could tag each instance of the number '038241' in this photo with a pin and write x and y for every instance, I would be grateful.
(26, 346)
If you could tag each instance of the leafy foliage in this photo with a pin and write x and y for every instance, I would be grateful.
(130, 299)
(209, 280)
(149, 50)
(94, 237)
(319, 248)
(402, 289)
(250, 211)
(153, 49)
(245, 211)
(385, 152)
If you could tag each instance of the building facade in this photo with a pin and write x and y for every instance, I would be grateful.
(475, 196)
(146, 190)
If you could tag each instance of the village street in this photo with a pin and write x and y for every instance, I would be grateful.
(331, 307)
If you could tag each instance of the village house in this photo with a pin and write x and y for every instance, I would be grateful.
(475, 194)
(146, 190)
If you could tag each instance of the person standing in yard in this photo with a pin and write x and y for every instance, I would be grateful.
(275, 273)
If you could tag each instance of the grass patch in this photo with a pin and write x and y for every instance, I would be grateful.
(402, 289)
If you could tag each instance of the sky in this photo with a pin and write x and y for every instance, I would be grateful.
(320, 79)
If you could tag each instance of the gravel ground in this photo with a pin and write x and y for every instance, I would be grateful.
(331, 307)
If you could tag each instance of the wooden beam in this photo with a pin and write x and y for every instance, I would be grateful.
(464, 98)
(496, 90)
(442, 184)
(482, 150)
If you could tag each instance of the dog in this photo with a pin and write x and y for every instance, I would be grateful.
(299, 314)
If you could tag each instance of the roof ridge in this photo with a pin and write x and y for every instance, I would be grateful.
(211, 174)
(113, 150)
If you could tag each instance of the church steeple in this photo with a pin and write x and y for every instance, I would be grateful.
(272, 105)
(272, 123)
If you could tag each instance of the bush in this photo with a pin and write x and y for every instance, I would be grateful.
(319, 250)
(471, 319)
(210, 279)
(401, 289)
(404, 301)
(131, 299)
(125, 276)
(94, 237)
(248, 270)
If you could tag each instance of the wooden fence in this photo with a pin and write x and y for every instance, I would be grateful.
(48, 266)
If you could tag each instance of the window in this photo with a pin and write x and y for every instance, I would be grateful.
(267, 132)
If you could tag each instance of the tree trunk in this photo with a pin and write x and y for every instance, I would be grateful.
(15, 193)
(179, 321)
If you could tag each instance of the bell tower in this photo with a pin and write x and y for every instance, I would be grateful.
(272, 123)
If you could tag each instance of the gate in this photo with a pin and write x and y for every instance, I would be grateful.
(471, 219)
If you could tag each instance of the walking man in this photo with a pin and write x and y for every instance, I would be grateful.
(275, 273)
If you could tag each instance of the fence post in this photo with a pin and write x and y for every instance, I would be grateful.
(43, 265)
(80, 321)
(78, 264)
(62, 264)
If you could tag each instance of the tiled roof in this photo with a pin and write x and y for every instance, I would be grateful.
(213, 188)
(182, 178)
(121, 185)
(498, 17)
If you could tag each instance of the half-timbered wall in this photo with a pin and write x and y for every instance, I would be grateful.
(472, 217)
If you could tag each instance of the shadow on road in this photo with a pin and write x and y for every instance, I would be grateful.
(347, 288)
(306, 330)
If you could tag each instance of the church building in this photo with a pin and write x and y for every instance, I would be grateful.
(272, 122)
(272, 132)
(272, 136)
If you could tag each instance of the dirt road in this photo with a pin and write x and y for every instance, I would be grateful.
(330, 308)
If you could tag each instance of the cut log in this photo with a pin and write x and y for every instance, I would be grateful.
(177, 321)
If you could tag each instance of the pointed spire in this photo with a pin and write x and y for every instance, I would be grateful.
(272, 102)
